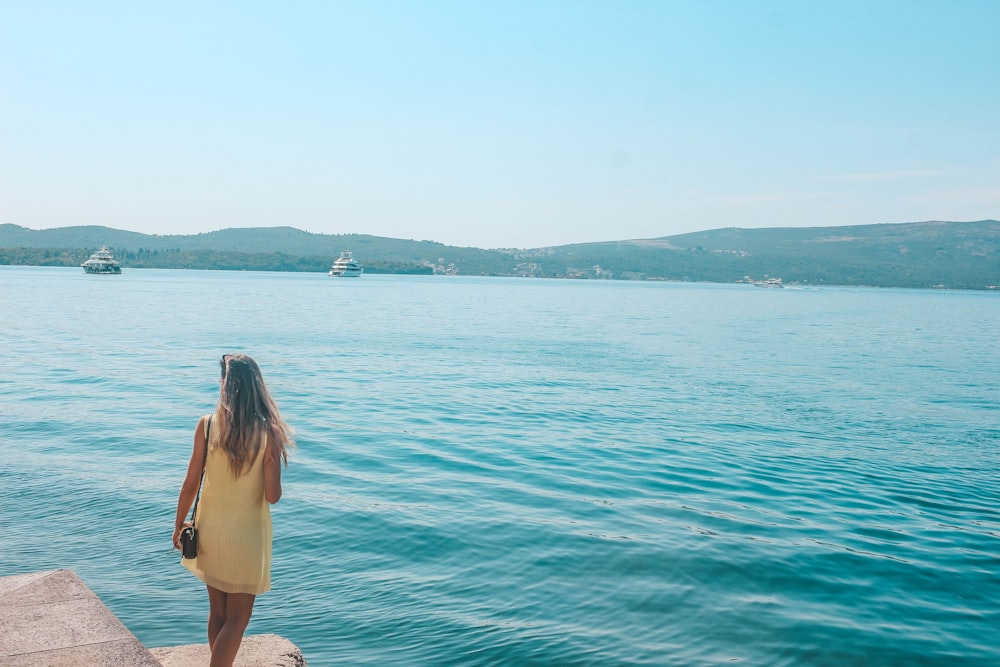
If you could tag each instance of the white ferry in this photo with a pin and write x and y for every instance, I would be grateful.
(102, 262)
(770, 282)
(346, 266)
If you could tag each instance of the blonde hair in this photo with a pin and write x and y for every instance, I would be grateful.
(247, 412)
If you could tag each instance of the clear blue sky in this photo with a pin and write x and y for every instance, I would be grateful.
(498, 124)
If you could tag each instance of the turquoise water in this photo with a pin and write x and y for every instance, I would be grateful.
(505, 471)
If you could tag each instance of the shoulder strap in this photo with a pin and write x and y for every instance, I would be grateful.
(204, 461)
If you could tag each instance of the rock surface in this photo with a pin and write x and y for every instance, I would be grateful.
(255, 651)
(52, 618)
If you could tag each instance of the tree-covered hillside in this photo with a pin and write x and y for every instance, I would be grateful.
(951, 254)
(963, 255)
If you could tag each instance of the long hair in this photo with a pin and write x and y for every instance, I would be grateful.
(248, 412)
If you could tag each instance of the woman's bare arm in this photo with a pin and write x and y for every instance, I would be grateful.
(189, 489)
(272, 473)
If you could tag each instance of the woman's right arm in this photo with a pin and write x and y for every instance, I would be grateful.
(189, 489)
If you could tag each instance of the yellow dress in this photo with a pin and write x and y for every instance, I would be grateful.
(234, 525)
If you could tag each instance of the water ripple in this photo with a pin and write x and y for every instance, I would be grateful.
(500, 472)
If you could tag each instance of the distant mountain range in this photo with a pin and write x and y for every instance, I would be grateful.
(958, 255)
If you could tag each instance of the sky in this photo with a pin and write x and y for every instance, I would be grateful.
(498, 124)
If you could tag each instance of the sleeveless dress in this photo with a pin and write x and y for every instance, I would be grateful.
(234, 525)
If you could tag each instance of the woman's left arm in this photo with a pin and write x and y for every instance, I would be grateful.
(272, 473)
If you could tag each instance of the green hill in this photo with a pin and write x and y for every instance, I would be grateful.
(962, 255)
(920, 254)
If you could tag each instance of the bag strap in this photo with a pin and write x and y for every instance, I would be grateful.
(204, 460)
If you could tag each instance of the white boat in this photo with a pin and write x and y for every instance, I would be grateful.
(102, 261)
(770, 282)
(346, 266)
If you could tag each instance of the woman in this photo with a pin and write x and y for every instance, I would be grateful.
(246, 442)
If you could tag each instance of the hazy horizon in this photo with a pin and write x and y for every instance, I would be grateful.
(494, 126)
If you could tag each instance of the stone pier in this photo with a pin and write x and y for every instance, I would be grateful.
(52, 618)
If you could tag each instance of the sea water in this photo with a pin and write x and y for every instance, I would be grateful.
(506, 471)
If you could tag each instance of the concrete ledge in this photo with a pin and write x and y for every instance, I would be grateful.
(255, 651)
(51, 618)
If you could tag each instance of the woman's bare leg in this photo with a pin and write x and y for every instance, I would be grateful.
(239, 607)
(216, 614)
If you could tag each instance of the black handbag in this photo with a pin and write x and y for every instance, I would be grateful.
(189, 533)
(189, 542)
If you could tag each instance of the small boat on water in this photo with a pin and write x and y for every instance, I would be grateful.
(346, 266)
(103, 262)
(770, 282)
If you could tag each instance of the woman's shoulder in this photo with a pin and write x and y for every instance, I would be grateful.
(205, 423)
